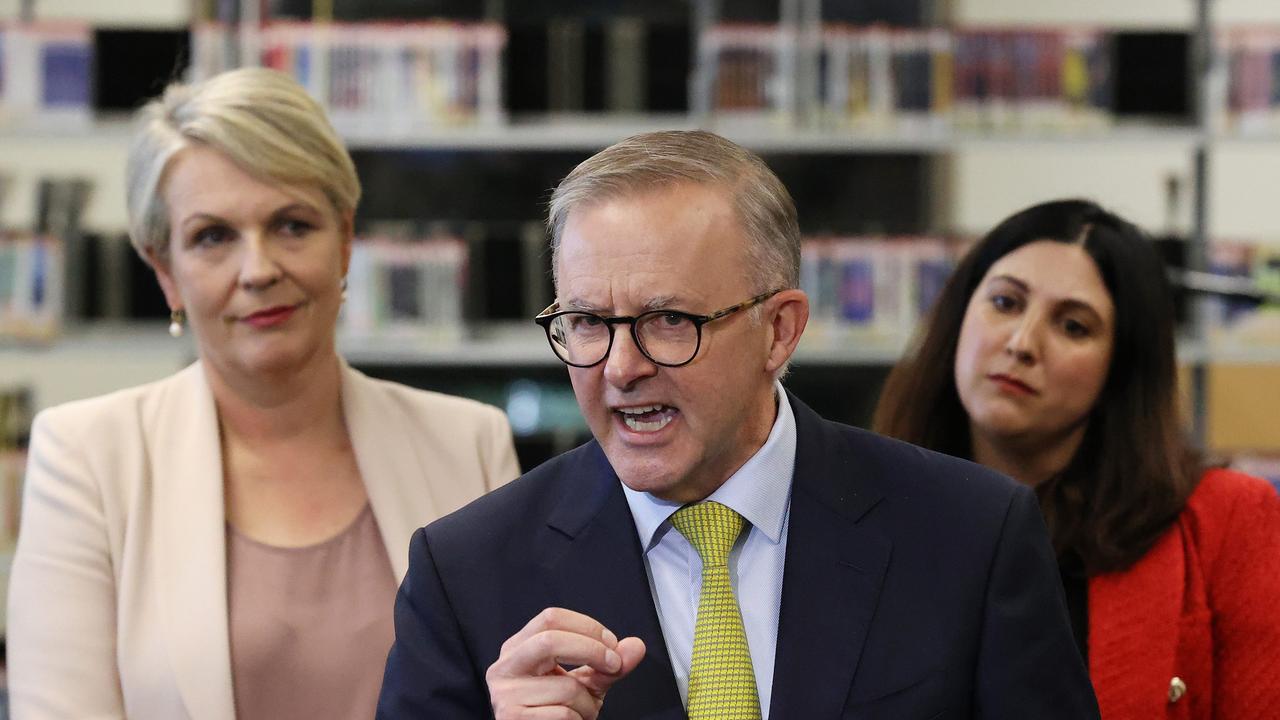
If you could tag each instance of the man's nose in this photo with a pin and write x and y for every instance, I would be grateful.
(625, 364)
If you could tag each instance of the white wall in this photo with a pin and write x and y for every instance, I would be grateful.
(989, 183)
(1244, 191)
(1112, 13)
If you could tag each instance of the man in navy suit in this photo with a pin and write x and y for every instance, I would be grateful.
(870, 578)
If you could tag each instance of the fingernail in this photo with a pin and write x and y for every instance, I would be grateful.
(612, 661)
(609, 638)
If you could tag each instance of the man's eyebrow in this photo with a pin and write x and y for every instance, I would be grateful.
(662, 302)
(658, 302)
(580, 304)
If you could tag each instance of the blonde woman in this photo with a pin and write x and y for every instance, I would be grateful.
(227, 542)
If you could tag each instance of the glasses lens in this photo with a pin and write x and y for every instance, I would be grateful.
(579, 338)
(669, 338)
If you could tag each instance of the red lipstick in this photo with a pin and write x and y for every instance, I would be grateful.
(1012, 384)
(270, 317)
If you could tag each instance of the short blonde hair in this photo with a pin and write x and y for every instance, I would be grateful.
(649, 161)
(261, 119)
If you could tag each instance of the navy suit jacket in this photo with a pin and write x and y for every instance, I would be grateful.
(915, 585)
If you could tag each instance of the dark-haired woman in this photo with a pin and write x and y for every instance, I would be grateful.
(1050, 357)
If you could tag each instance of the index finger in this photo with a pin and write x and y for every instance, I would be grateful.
(555, 618)
(546, 651)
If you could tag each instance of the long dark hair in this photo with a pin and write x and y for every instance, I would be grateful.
(1134, 469)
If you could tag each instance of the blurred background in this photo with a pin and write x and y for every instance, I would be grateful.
(904, 129)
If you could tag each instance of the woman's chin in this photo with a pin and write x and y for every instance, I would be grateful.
(279, 358)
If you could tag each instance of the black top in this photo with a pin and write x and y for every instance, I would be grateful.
(1076, 586)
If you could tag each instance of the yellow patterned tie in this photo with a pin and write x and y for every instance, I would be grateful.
(722, 685)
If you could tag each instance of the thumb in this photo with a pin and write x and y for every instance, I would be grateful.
(631, 650)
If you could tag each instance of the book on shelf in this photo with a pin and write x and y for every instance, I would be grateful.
(871, 288)
(592, 64)
(924, 81)
(511, 268)
(32, 269)
(1251, 105)
(1033, 79)
(372, 78)
(46, 74)
(878, 78)
(747, 71)
(412, 288)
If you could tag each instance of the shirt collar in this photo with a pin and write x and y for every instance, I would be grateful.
(759, 491)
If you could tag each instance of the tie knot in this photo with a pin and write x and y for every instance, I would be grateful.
(711, 528)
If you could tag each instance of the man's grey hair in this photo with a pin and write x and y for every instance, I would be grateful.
(651, 161)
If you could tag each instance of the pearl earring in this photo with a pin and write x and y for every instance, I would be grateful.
(176, 318)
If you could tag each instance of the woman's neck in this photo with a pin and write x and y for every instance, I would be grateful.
(1029, 461)
(281, 407)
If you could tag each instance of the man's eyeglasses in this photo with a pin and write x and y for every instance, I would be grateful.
(670, 338)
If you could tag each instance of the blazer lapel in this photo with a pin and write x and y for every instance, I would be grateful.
(832, 577)
(1133, 638)
(596, 567)
(385, 450)
(186, 460)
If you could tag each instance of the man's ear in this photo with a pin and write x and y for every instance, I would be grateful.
(165, 277)
(787, 319)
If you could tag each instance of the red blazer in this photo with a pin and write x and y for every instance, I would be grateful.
(1203, 606)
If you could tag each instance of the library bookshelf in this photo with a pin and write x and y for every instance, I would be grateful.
(854, 177)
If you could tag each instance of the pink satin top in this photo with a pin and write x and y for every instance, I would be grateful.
(311, 626)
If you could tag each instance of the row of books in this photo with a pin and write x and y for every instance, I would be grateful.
(886, 78)
(394, 287)
(396, 79)
(1034, 79)
(872, 287)
(32, 275)
(406, 287)
(373, 78)
(46, 74)
(881, 288)
(752, 69)
(1252, 64)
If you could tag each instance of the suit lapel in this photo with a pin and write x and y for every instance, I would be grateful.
(385, 450)
(832, 577)
(596, 567)
(186, 458)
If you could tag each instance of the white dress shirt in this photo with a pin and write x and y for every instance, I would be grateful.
(759, 491)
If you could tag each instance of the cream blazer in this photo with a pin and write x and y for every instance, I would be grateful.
(118, 593)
